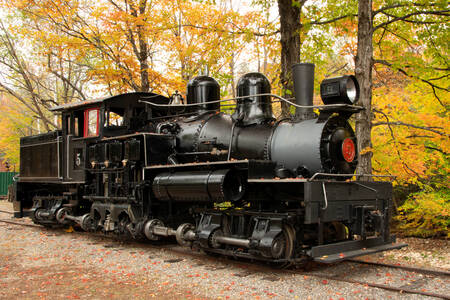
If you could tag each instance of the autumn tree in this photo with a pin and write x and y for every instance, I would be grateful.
(402, 66)
(111, 38)
(387, 18)
(299, 42)
(290, 26)
(23, 79)
(13, 124)
(203, 38)
(377, 23)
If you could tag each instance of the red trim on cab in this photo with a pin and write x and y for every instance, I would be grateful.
(86, 122)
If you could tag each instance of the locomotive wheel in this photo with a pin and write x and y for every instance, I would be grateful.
(283, 247)
(60, 216)
(86, 222)
(181, 231)
(212, 238)
(122, 227)
(148, 229)
(36, 216)
(341, 231)
(335, 232)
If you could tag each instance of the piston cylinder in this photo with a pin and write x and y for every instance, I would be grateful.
(204, 186)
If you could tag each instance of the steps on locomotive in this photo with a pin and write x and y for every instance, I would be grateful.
(336, 252)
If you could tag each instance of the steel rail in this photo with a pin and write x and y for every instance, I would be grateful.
(402, 267)
(21, 224)
(328, 277)
(384, 286)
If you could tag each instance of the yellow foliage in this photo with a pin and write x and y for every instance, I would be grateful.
(111, 38)
(426, 214)
(411, 133)
(13, 125)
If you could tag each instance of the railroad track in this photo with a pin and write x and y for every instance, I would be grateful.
(20, 223)
(262, 268)
(381, 286)
(406, 268)
(258, 268)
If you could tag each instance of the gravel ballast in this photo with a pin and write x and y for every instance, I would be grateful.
(39, 263)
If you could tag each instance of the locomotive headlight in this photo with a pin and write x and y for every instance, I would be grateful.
(340, 90)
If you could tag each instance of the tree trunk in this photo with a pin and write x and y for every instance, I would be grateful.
(143, 51)
(290, 46)
(232, 62)
(363, 71)
(232, 67)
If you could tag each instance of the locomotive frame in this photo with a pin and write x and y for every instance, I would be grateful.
(148, 167)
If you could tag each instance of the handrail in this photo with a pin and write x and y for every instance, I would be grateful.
(244, 97)
(325, 198)
(347, 175)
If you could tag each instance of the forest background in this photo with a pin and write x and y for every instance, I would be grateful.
(58, 51)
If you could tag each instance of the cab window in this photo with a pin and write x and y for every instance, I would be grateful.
(91, 121)
(114, 117)
(67, 126)
(78, 123)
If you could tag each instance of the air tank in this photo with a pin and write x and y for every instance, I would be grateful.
(202, 90)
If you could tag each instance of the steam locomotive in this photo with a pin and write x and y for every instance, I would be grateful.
(246, 185)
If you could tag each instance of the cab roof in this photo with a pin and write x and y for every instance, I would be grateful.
(121, 100)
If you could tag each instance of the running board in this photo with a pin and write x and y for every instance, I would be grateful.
(336, 252)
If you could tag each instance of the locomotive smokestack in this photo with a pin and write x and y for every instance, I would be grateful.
(303, 75)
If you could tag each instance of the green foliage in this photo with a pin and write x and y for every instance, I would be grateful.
(426, 214)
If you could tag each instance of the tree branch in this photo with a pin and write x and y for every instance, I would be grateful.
(398, 123)
(437, 149)
(388, 123)
(317, 22)
(433, 86)
(405, 17)
(239, 32)
(398, 5)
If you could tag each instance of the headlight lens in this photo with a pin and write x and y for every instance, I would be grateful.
(340, 90)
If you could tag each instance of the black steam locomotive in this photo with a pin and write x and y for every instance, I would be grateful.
(245, 185)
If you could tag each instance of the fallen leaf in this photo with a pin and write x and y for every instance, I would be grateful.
(69, 230)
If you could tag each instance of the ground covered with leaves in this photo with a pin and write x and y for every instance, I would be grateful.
(39, 263)
(428, 253)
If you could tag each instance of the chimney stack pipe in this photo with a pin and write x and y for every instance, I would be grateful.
(303, 76)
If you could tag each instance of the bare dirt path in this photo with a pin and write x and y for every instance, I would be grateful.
(39, 263)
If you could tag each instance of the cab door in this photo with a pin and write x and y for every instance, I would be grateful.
(84, 128)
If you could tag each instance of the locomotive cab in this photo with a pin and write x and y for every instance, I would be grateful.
(54, 165)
